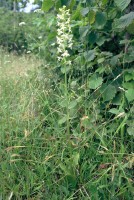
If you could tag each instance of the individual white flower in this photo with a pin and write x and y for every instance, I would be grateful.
(39, 11)
(40, 37)
(22, 24)
(65, 54)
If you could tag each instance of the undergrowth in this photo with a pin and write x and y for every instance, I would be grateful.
(40, 160)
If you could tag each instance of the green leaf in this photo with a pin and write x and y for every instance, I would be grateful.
(75, 159)
(100, 41)
(117, 99)
(123, 22)
(100, 60)
(84, 11)
(100, 20)
(128, 58)
(114, 111)
(122, 4)
(72, 104)
(114, 60)
(89, 55)
(129, 94)
(92, 37)
(130, 130)
(130, 28)
(91, 16)
(58, 4)
(129, 76)
(95, 81)
(83, 31)
(128, 85)
(65, 69)
(77, 13)
(63, 103)
(47, 5)
(108, 92)
(62, 120)
(65, 169)
(72, 4)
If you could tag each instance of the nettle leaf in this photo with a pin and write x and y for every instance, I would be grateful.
(129, 76)
(114, 60)
(92, 37)
(130, 28)
(100, 20)
(122, 4)
(117, 99)
(123, 22)
(100, 41)
(84, 11)
(129, 94)
(128, 85)
(128, 58)
(83, 31)
(108, 92)
(47, 5)
(89, 55)
(95, 81)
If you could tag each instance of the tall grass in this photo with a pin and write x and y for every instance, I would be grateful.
(37, 160)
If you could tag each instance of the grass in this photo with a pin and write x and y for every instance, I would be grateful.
(38, 160)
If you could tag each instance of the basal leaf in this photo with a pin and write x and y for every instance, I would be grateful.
(122, 4)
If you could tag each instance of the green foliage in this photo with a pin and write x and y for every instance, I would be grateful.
(123, 22)
(47, 4)
(122, 4)
(79, 144)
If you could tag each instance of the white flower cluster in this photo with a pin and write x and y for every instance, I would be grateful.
(64, 35)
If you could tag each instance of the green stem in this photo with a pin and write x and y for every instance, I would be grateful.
(67, 100)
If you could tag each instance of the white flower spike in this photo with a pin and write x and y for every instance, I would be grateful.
(64, 35)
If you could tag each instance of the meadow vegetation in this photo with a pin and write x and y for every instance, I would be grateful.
(67, 103)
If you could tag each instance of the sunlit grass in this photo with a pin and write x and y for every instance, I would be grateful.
(37, 159)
